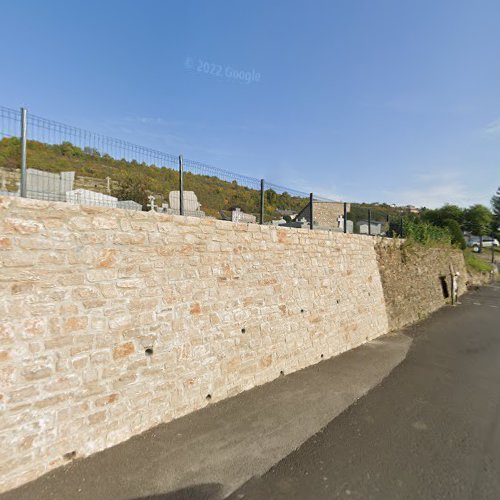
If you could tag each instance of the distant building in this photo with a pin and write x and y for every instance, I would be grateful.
(412, 209)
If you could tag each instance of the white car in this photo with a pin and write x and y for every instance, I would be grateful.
(488, 242)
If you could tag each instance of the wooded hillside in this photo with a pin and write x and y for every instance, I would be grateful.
(131, 180)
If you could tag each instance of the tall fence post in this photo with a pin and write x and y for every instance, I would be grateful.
(24, 124)
(493, 248)
(262, 201)
(369, 222)
(311, 223)
(401, 232)
(181, 185)
(345, 217)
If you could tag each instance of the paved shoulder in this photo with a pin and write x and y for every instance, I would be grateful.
(430, 430)
(211, 452)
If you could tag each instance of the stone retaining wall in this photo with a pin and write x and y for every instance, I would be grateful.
(412, 279)
(114, 321)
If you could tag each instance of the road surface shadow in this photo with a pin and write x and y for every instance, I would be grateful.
(207, 491)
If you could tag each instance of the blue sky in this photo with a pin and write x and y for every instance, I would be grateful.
(361, 100)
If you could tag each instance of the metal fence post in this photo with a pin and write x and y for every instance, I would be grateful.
(401, 228)
(345, 217)
(181, 185)
(262, 201)
(23, 151)
(311, 223)
(369, 222)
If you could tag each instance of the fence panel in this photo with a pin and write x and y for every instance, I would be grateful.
(285, 206)
(214, 192)
(70, 164)
(78, 166)
(10, 151)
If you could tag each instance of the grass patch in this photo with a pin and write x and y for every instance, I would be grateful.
(475, 263)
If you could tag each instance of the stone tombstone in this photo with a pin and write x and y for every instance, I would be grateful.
(299, 224)
(348, 223)
(192, 206)
(191, 203)
(278, 222)
(48, 186)
(238, 216)
(87, 197)
(375, 228)
(129, 205)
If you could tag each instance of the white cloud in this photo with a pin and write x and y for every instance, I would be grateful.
(492, 128)
(434, 189)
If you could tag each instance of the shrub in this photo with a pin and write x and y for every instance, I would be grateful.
(425, 233)
(457, 237)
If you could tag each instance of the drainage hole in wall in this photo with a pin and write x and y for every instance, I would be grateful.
(148, 351)
(338, 301)
(209, 397)
(243, 330)
(322, 356)
(70, 455)
(444, 287)
(282, 373)
(302, 310)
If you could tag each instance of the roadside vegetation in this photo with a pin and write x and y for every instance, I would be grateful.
(425, 233)
(474, 263)
(445, 226)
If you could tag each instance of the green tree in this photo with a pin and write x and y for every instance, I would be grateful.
(132, 187)
(495, 203)
(457, 237)
(271, 196)
(478, 221)
(440, 216)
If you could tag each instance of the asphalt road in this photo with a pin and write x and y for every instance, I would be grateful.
(431, 430)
